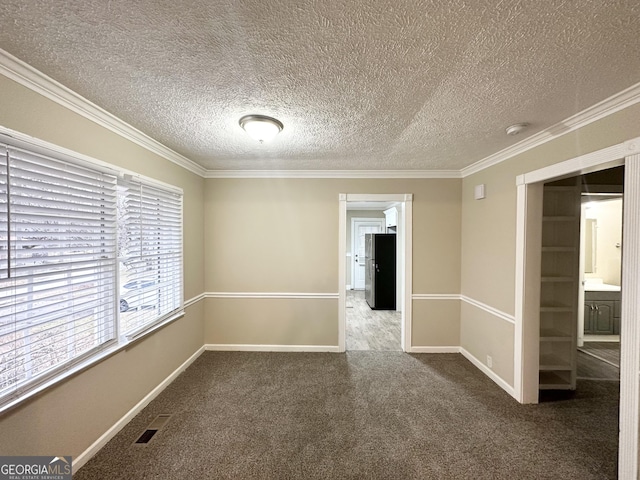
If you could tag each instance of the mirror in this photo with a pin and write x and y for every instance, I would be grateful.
(590, 247)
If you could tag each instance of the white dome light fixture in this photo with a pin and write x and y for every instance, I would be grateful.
(261, 127)
(516, 128)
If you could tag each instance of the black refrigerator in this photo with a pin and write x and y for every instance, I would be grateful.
(380, 271)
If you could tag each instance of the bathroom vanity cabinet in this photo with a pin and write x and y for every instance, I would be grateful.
(601, 313)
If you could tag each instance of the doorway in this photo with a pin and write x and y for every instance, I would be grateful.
(600, 291)
(528, 279)
(369, 328)
(349, 298)
(580, 288)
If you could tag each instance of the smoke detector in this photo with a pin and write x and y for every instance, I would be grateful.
(516, 128)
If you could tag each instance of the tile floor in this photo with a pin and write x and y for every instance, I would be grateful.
(369, 329)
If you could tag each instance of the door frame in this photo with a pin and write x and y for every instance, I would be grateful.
(405, 202)
(354, 220)
(527, 286)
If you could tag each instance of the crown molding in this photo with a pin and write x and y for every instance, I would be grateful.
(333, 174)
(27, 76)
(608, 106)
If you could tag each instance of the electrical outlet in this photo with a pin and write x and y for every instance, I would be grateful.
(489, 362)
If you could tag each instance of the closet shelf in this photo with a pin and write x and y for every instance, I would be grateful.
(559, 218)
(559, 249)
(559, 277)
(555, 308)
(553, 381)
(552, 278)
(551, 362)
(554, 335)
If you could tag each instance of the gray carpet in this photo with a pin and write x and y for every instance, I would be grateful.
(373, 415)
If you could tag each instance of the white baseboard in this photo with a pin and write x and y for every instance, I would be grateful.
(85, 456)
(601, 338)
(228, 347)
(489, 373)
(348, 287)
(434, 350)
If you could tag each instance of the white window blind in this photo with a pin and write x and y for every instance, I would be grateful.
(150, 254)
(57, 267)
(4, 219)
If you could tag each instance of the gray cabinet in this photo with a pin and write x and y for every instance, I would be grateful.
(602, 313)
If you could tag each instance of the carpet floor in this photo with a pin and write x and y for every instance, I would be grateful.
(373, 415)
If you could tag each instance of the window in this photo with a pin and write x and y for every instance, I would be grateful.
(88, 260)
(150, 255)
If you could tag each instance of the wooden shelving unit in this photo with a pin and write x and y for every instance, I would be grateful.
(559, 285)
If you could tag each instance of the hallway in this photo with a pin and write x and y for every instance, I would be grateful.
(368, 329)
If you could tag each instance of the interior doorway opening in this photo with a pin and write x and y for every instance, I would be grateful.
(374, 294)
(353, 230)
(528, 281)
(580, 288)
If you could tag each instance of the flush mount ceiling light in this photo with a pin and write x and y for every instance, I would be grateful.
(261, 127)
(516, 128)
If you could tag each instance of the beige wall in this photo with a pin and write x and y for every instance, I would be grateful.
(489, 230)
(281, 235)
(72, 415)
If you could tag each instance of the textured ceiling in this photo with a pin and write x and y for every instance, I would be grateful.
(394, 84)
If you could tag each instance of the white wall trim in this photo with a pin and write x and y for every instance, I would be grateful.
(434, 350)
(342, 272)
(488, 372)
(630, 326)
(609, 106)
(407, 235)
(194, 300)
(230, 347)
(303, 295)
(85, 456)
(455, 296)
(27, 76)
(598, 160)
(489, 309)
(333, 174)
(436, 296)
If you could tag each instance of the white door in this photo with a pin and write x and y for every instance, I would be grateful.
(360, 229)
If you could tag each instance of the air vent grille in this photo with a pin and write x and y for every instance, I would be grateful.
(152, 429)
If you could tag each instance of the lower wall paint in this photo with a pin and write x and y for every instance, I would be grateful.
(474, 322)
(251, 320)
(435, 321)
(489, 373)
